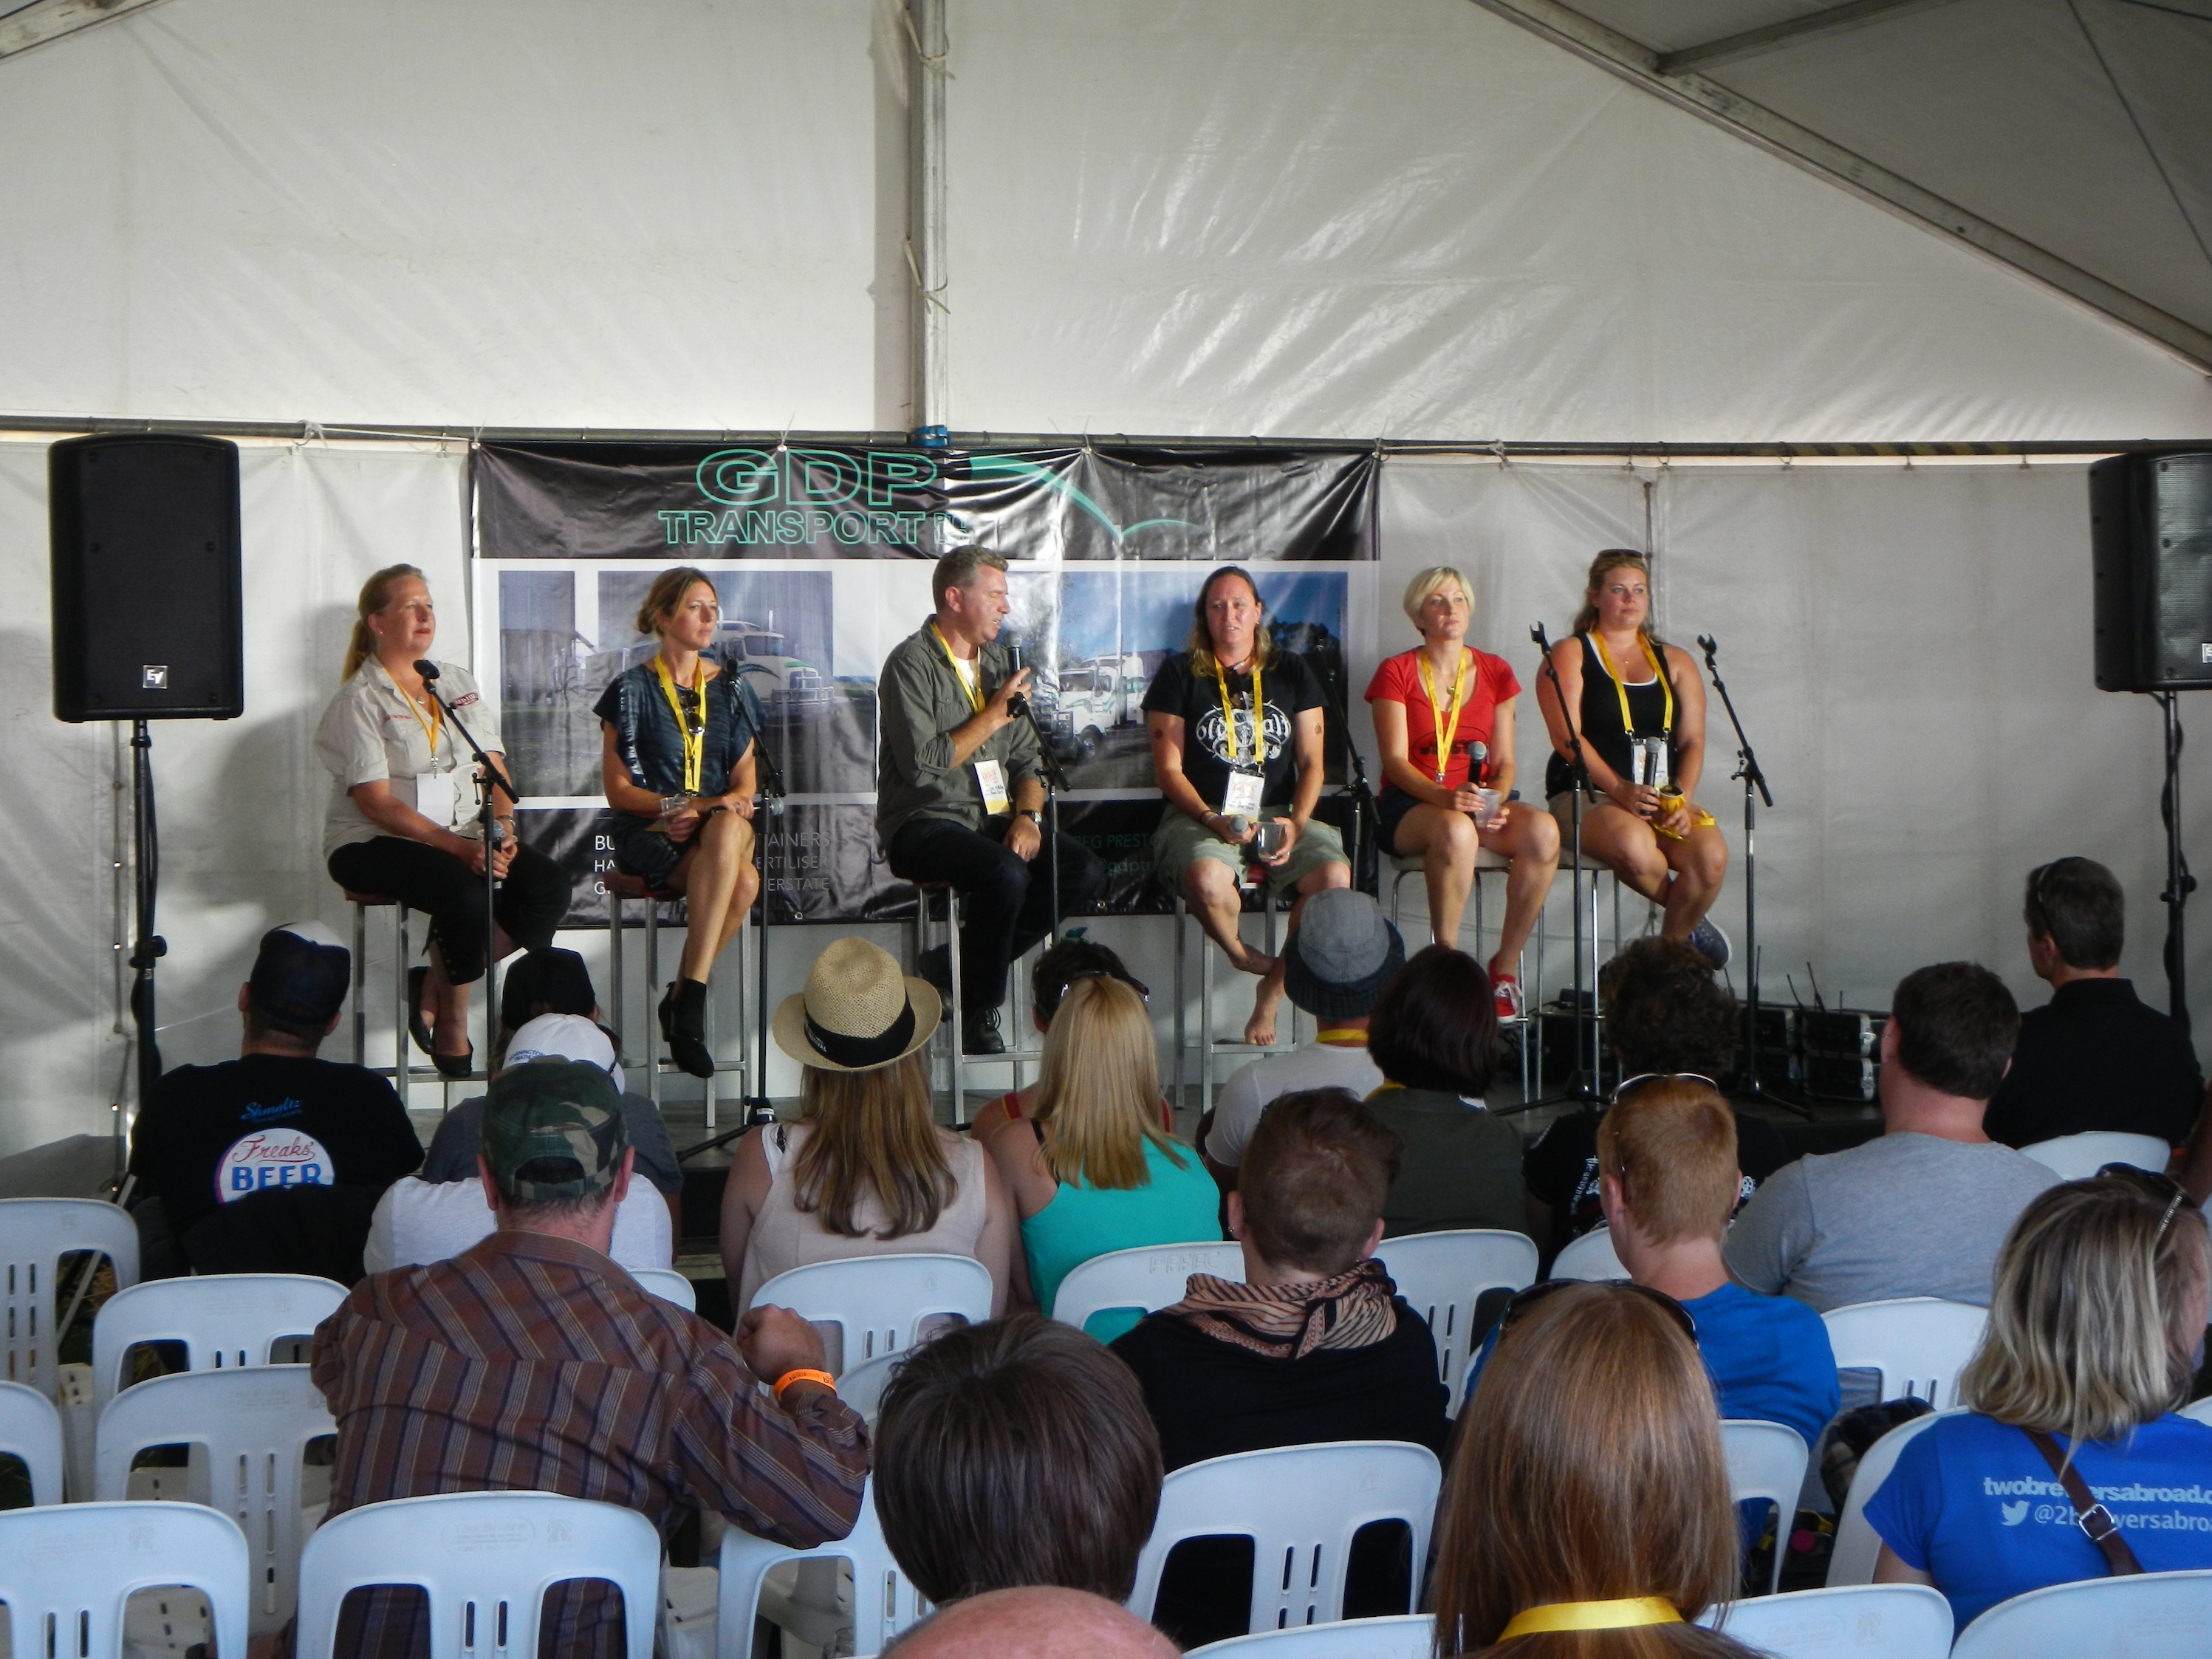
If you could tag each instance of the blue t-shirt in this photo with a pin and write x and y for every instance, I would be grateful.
(1768, 1357)
(1972, 1503)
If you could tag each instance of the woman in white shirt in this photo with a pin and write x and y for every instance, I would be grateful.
(402, 818)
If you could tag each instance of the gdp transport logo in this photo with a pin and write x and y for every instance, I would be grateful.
(800, 497)
(279, 1158)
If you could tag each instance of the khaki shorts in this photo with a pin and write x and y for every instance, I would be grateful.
(1180, 840)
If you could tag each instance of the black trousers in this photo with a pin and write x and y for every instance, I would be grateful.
(532, 897)
(1009, 900)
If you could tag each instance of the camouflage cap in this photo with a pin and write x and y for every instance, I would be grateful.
(554, 1109)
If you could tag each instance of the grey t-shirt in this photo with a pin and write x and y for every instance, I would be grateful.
(453, 1149)
(1906, 1214)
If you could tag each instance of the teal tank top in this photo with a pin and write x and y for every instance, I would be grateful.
(1180, 1207)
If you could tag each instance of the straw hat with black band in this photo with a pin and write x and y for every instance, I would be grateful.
(858, 1012)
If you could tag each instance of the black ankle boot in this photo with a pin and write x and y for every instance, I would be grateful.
(683, 1025)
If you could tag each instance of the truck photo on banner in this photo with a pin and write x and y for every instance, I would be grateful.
(821, 557)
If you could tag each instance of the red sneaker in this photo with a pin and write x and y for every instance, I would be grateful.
(1505, 991)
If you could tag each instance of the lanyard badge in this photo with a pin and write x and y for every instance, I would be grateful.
(1247, 780)
(691, 728)
(1447, 725)
(1665, 685)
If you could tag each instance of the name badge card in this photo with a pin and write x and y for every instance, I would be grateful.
(1242, 797)
(991, 780)
(434, 797)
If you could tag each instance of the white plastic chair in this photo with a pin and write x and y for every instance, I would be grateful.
(862, 1386)
(31, 1429)
(2199, 1410)
(2076, 1157)
(222, 1320)
(669, 1285)
(1853, 1621)
(1443, 1275)
(2157, 1615)
(1589, 1257)
(1858, 1547)
(253, 1427)
(1407, 1636)
(35, 1233)
(877, 1301)
(1300, 1505)
(1151, 1277)
(1919, 1343)
(1766, 1465)
(485, 1559)
(68, 1570)
(884, 1603)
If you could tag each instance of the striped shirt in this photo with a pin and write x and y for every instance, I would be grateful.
(532, 1363)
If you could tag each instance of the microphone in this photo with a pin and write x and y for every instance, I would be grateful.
(427, 670)
(1017, 661)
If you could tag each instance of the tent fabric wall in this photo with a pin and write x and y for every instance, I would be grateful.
(241, 802)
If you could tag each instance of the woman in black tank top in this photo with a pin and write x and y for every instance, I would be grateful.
(1640, 711)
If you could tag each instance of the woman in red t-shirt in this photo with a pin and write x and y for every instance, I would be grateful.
(1436, 805)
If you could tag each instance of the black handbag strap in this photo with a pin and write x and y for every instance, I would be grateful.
(2092, 1517)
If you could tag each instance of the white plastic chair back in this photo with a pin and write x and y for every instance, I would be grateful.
(31, 1429)
(2076, 1157)
(255, 1426)
(1766, 1465)
(1442, 1275)
(1858, 1547)
(877, 1302)
(884, 1603)
(1589, 1257)
(862, 1386)
(669, 1285)
(2157, 1615)
(1407, 1636)
(1919, 1343)
(1852, 1621)
(222, 1319)
(485, 1559)
(1300, 1505)
(68, 1570)
(1151, 1277)
(2199, 1410)
(35, 1233)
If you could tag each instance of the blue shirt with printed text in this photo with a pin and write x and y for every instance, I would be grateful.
(1972, 1503)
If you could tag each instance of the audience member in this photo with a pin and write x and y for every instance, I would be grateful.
(2095, 1329)
(1588, 1492)
(1059, 966)
(1016, 1453)
(1920, 1210)
(272, 1162)
(1435, 1040)
(553, 982)
(1093, 1171)
(531, 1363)
(2094, 1057)
(864, 1172)
(1032, 1623)
(1335, 968)
(1665, 1011)
(1314, 1344)
(419, 1219)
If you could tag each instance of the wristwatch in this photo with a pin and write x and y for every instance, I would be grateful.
(1032, 815)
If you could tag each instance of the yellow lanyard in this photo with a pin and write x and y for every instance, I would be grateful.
(1626, 1613)
(1228, 714)
(431, 723)
(694, 736)
(975, 690)
(1342, 1036)
(1628, 721)
(1447, 727)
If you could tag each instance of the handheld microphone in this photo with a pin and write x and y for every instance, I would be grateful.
(427, 670)
(1017, 661)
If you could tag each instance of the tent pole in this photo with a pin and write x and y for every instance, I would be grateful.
(925, 49)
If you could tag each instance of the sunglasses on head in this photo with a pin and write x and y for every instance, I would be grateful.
(2154, 1184)
(1643, 1078)
(1525, 1300)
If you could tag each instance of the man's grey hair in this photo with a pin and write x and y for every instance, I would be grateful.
(957, 569)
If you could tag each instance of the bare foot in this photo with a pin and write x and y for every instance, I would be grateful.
(1260, 1029)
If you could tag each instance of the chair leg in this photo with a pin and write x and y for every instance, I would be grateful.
(360, 983)
(653, 1000)
(400, 1003)
(1181, 1022)
(1205, 1021)
(959, 1021)
(615, 994)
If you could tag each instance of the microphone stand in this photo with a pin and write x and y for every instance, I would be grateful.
(1580, 1085)
(1755, 791)
(1366, 816)
(491, 782)
(1055, 782)
(768, 792)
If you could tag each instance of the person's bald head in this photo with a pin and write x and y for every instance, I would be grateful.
(1041, 1622)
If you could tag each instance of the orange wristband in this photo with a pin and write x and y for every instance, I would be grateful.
(791, 1377)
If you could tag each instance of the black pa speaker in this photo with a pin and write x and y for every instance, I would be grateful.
(2150, 536)
(146, 607)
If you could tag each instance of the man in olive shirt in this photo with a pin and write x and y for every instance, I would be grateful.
(959, 792)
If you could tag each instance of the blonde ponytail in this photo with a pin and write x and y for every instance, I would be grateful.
(375, 594)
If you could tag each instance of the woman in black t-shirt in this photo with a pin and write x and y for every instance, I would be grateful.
(1237, 743)
(1639, 709)
(679, 768)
